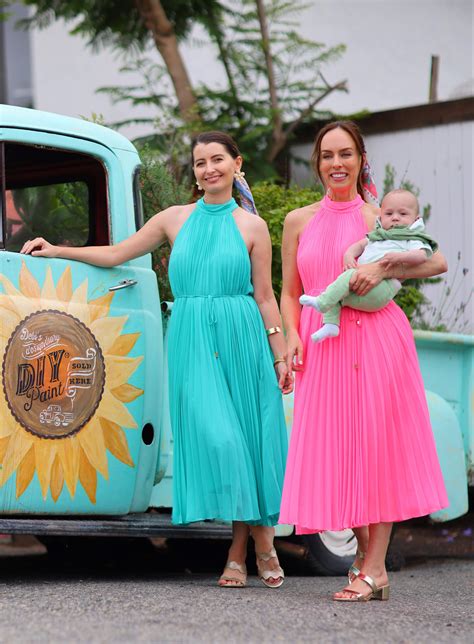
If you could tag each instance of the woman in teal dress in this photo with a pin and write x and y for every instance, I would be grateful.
(226, 355)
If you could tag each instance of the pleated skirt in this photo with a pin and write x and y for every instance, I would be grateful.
(362, 449)
(230, 440)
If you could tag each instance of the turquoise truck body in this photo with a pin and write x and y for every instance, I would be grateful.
(85, 429)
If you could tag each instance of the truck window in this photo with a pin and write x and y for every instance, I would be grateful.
(137, 199)
(55, 194)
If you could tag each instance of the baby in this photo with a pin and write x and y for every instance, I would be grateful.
(398, 238)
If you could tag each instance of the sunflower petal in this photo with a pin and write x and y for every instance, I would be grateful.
(48, 292)
(25, 472)
(118, 369)
(45, 453)
(78, 306)
(8, 304)
(126, 393)
(112, 409)
(68, 453)
(91, 439)
(8, 323)
(99, 308)
(123, 344)
(8, 425)
(23, 305)
(64, 286)
(57, 479)
(28, 284)
(9, 288)
(116, 442)
(18, 446)
(107, 330)
(87, 476)
(3, 446)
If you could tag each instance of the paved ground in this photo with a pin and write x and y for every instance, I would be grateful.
(431, 602)
(119, 597)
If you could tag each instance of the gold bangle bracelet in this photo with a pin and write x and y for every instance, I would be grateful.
(279, 359)
(272, 330)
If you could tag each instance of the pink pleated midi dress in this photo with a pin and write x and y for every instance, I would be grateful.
(362, 449)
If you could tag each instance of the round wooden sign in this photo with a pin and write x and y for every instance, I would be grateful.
(53, 374)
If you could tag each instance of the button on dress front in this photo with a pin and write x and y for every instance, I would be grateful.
(226, 409)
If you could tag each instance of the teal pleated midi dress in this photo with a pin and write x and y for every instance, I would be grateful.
(230, 440)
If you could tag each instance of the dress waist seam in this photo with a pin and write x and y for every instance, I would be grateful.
(211, 297)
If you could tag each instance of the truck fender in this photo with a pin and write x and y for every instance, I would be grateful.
(452, 457)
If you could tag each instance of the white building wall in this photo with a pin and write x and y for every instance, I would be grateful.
(387, 62)
(439, 161)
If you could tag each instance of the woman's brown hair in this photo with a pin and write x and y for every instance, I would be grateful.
(216, 137)
(352, 129)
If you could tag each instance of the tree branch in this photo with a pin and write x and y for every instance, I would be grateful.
(278, 146)
(216, 33)
(276, 113)
(162, 30)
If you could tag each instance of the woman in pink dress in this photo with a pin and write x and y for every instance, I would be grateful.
(362, 453)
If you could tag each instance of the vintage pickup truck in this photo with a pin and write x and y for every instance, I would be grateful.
(85, 440)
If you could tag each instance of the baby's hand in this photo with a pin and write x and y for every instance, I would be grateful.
(391, 259)
(349, 261)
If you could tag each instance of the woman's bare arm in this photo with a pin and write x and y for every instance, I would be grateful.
(261, 260)
(151, 235)
(369, 275)
(292, 287)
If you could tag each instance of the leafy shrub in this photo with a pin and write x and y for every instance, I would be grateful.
(410, 297)
(161, 189)
(273, 203)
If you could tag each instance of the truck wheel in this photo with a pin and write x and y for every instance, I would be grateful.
(330, 553)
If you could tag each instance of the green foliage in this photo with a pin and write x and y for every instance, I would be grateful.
(449, 314)
(115, 22)
(4, 13)
(242, 106)
(58, 212)
(411, 297)
(273, 203)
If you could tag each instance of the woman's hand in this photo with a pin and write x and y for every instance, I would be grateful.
(294, 358)
(285, 377)
(366, 277)
(39, 247)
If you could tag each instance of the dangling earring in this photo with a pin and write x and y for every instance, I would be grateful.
(199, 187)
(238, 174)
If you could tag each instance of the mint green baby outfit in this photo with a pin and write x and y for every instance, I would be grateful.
(381, 242)
(226, 409)
(338, 294)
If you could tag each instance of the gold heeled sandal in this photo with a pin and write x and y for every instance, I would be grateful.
(381, 593)
(353, 571)
(265, 574)
(236, 582)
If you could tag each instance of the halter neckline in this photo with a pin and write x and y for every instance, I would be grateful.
(342, 205)
(216, 208)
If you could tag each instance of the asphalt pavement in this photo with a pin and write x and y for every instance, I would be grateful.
(431, 601)
(134, 591)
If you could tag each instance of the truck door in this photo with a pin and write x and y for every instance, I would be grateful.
(80, 346)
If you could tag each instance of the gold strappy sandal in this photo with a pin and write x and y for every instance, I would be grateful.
(265, 574)
(353, 571)
(236, 582)
(381, 593)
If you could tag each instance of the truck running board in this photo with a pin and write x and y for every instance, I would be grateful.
(149, 524)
